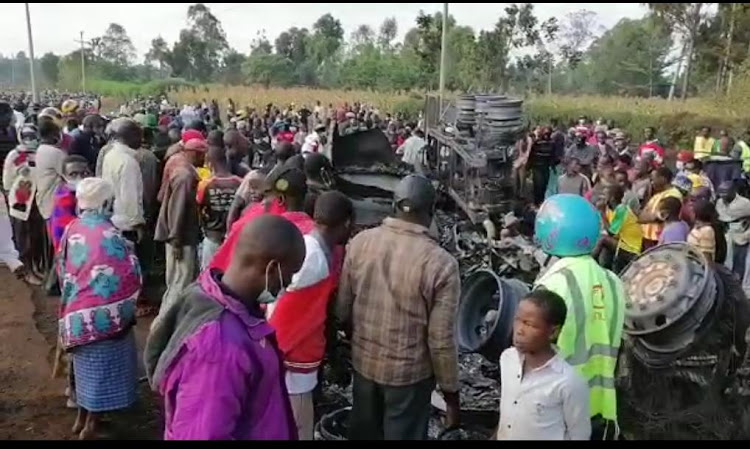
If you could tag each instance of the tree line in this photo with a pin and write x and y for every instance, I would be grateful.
(677, 49)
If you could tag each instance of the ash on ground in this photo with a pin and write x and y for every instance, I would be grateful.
(480, 383)
(480, 401)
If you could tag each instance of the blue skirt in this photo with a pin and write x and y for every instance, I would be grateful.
(106, 374)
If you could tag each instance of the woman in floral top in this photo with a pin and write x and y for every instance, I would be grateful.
(101, 279)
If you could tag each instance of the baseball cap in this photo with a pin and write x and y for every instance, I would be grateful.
(414, 193)
(289, 181)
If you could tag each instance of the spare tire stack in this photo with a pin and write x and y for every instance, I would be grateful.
(499, 120)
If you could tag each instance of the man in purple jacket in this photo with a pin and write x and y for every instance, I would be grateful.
(214, 358)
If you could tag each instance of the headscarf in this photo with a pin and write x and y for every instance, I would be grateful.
(683, 183)
(93, 193)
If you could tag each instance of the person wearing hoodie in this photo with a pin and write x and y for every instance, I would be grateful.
(299, 317)
(215, 359)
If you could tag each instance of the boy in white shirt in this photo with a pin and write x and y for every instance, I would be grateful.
(542, 397)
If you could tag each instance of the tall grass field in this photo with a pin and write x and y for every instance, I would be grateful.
(676, 122)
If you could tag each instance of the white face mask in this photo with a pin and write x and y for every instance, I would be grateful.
(73, 184)
(266, 297)
(680, 165)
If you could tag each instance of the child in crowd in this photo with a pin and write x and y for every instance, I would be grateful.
(542, 397)
(675, 229)
(572, 181)
(215, 196)
(625, 235)
(250, 191)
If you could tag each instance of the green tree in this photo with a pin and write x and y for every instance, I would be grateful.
(269, 69)
(388, 32)
(199, 52)
(516, 29)
(231, 69)
(327, 38)
(294, 44)
(116, 46)
(260, 45)
(50, 70)
(160, 54)
(630, 58)
(686, 19)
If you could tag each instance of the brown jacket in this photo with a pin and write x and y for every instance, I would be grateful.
(399, 290)
(178, 216)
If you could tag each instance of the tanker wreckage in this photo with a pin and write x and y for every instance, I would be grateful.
(683, 372)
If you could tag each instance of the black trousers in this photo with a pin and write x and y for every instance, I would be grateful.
(540, 179)
(622, 259)
(382, 412)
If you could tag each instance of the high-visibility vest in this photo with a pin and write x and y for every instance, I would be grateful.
(591, 336)
(745, 155)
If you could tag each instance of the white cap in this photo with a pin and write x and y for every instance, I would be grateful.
(92, 193)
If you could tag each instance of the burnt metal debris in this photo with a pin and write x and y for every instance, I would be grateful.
(472, 232)
(683, 371)
(684, 368)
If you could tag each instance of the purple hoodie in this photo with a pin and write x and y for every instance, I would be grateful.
(219, 369)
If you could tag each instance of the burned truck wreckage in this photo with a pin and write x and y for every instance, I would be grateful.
(684, 368)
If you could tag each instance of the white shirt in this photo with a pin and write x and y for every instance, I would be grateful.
(733, 213)
(548, 403)
(20, 119)
(121, 169)
(411, 149)
(49, 170)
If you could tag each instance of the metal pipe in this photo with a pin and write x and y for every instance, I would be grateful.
(34, 93)
(443, 52)
(83, 66)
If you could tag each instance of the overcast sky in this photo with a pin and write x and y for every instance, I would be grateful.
(56, 26)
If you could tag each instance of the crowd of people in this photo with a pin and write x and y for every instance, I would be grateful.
(644, 199)
(260, 259)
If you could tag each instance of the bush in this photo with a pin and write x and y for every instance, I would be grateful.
(676, 122)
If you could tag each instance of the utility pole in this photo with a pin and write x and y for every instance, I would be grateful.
(83, 64)
(34, 93)
(12, 69)
(443, 54)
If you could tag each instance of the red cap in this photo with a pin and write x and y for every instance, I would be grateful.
(685, 156)
(192, 134)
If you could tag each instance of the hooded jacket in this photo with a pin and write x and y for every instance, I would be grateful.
(216, 363)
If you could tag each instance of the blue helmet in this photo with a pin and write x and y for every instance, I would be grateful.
(567, 225)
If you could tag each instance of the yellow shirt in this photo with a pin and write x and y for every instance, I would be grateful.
(624, 224)
(651, 231)
(703, 146)
(203, 173)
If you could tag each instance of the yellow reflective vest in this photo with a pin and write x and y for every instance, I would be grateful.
(591, 336)
(745, 155)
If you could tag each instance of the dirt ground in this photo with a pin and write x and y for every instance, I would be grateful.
(32, 404)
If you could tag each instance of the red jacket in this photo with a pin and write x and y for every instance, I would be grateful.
(224, 255)
(285, 136)
(299, 317)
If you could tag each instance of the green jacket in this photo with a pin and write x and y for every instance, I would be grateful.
(591, 336)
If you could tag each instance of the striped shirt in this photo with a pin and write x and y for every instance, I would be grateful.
(399, 290)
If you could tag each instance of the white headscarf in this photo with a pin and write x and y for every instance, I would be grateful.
(92, 193)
